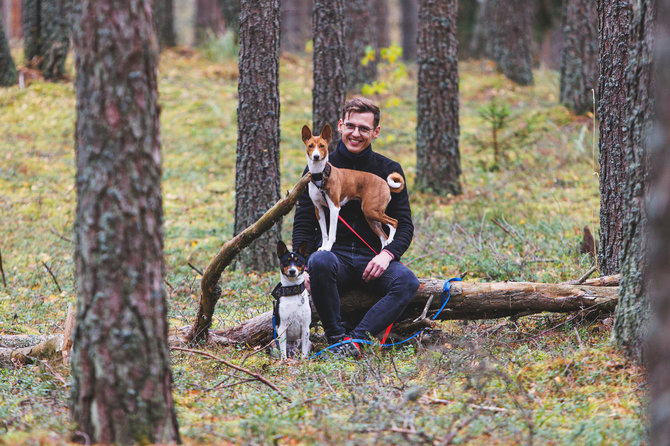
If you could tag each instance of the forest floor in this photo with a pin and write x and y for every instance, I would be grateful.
(543, 379)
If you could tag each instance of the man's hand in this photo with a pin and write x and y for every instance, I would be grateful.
(307, 286)
(377, 266)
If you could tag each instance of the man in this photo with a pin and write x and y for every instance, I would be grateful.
(350, 263)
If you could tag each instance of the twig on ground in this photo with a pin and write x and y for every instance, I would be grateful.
(450, 437)
(233, 366)
(474, 406)
(59, 235)
(195, 269)
(52, 276)
(4, 281)
(54, 373)
(507, 231)
(425, 310)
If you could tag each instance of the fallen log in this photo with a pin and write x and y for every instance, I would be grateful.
(32, 348)
(209, 292)
(468, 300)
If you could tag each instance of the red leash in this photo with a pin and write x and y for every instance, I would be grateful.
(388, 329)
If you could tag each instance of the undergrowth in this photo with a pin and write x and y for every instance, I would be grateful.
(544, 379)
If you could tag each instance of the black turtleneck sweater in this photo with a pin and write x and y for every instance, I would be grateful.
(306, 227)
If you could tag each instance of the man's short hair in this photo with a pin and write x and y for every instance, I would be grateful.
(361, 105)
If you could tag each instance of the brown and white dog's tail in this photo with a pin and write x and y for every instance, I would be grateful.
(396, 182)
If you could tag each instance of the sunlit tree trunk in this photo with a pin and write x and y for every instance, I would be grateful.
(358, 35)
(658, 371)
(614, 33)
(257, 172)
(164, 19)
(511, 39)
(7, 67)
(329, 89)
(632, 314)
(579, 64)
(409, 23)
(438, 160)
(121, 380)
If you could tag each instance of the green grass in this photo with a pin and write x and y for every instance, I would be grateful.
(550, 378)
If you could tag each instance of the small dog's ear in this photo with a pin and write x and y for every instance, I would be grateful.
(281, 248)
(302, 249)
(327, 132)
(306, 133)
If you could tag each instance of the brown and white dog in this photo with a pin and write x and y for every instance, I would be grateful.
(333, 187)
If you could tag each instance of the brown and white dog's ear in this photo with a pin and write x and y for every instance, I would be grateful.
(306, 133)
(281, 249)
(302, 249)
(327, 132)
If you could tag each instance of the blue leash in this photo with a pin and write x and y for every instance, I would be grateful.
(446, 294)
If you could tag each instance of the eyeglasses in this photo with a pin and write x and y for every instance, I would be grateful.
(362, 129)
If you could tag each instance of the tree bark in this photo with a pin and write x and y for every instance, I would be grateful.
(579, 60)
(358, 36)
(208, 20)
(632, 315)
(257, 172)
(380, 18)
(467, 301)
(46, 27)
(329, 90)
(231, 16)
(121, 379)
(658, 372)
(614, 33)
(164, 21)
(7, 67)
(409, 23)
(438, 158)
(481, 31)
(209, 292)
(511, 39)
(296, 25)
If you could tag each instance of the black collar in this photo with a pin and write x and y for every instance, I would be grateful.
(321, 179)
(292, 290)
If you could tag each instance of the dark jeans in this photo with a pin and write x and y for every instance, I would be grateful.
(342, 269)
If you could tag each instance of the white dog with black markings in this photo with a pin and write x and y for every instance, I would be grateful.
(292, 312)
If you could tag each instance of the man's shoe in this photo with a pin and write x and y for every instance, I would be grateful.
(347, 350)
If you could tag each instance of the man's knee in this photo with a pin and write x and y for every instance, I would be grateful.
(322, 262)
(407, 284)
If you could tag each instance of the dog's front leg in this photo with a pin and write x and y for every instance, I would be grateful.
(304, 341)
(282, 341)
(321, 214)
(332, 229)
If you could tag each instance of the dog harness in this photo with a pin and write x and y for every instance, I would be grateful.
(321, 179)
(281, 291)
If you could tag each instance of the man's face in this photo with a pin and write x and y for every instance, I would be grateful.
(358, 131)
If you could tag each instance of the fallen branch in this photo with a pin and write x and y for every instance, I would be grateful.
(233, 366)
(49, 348)
(210, 293)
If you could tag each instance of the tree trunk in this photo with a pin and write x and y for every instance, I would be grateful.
(467, 301)
(511, 39)
(480, 31)
(380, 19)
(658, 371)
(46, 25)
(163, 11)
(257, 173)
(632, 315)
(613, 30)
(230, 9)
(296, 25)
(7, 67)
(438, 162)
(208, 21)
(121, 324)
(358, 37)
(329, 89)
(409, 23)
(579, 61)
(30, 22)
